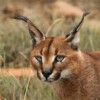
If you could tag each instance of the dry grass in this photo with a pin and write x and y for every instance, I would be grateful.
(18, 72)
(24, 88)
(15, 46)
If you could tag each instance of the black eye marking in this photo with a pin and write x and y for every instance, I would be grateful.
(38, 58)
(59, 58)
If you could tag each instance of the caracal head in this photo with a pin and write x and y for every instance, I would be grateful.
(54, 58)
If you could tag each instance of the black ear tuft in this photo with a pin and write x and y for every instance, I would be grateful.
(72, 37)
(21, 18)
(35, 33)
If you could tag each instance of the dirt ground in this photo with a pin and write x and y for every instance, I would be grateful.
(16, 72)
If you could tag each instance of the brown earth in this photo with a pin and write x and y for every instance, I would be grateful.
(16, 72)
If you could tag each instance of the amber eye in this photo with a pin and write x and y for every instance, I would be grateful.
(38, 58)
(59, 58)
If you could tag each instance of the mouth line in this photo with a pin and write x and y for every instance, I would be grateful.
(51, 80)
(47, 81)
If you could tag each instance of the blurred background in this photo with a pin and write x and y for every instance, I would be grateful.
(54, 17)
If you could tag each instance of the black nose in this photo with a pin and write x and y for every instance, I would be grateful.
(46, 73)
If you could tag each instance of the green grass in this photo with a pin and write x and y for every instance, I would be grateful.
(15, 42)
(15, 47)
(12, 88)
(90, 37)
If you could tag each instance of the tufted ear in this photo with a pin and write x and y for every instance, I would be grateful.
(73, 37)
(35, 33)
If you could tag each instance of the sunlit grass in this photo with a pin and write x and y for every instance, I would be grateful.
(15, 47)
(12, 88)
(15, 42)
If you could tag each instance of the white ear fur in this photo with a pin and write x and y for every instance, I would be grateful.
(73, 37)
(74, 43)
(76, 40)
(35, 33)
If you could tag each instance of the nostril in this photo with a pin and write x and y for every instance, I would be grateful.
(46, 73)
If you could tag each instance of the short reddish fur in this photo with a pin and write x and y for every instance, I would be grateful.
(84, 84)
(73, 74)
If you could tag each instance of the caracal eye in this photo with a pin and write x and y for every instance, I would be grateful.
(59, 58)
(38, 58)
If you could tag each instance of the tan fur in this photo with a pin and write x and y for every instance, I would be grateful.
(84, 82)
(73, 74)
(85, 86)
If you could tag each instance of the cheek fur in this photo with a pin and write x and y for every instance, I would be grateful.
(35, 61)
(40, 76)
(60, 66)
(54, 76)
(65, 73)
(35, 64)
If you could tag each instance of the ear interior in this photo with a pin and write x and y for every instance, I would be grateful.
(75, 42)
(73, 36)
(35, 33)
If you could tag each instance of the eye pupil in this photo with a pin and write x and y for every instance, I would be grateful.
(59, 58)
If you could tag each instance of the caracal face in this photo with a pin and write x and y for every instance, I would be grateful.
(54, 58)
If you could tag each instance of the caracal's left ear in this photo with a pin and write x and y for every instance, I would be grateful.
(73, 37)
(36, 35)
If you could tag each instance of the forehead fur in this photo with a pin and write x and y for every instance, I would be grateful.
(57, 43)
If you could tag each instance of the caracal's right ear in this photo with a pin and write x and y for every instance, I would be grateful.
(36, 35)
(72, 37)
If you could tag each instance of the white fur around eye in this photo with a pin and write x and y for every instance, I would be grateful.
(64, 59)
(43, 59)
(35, 60)
(52, 58)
